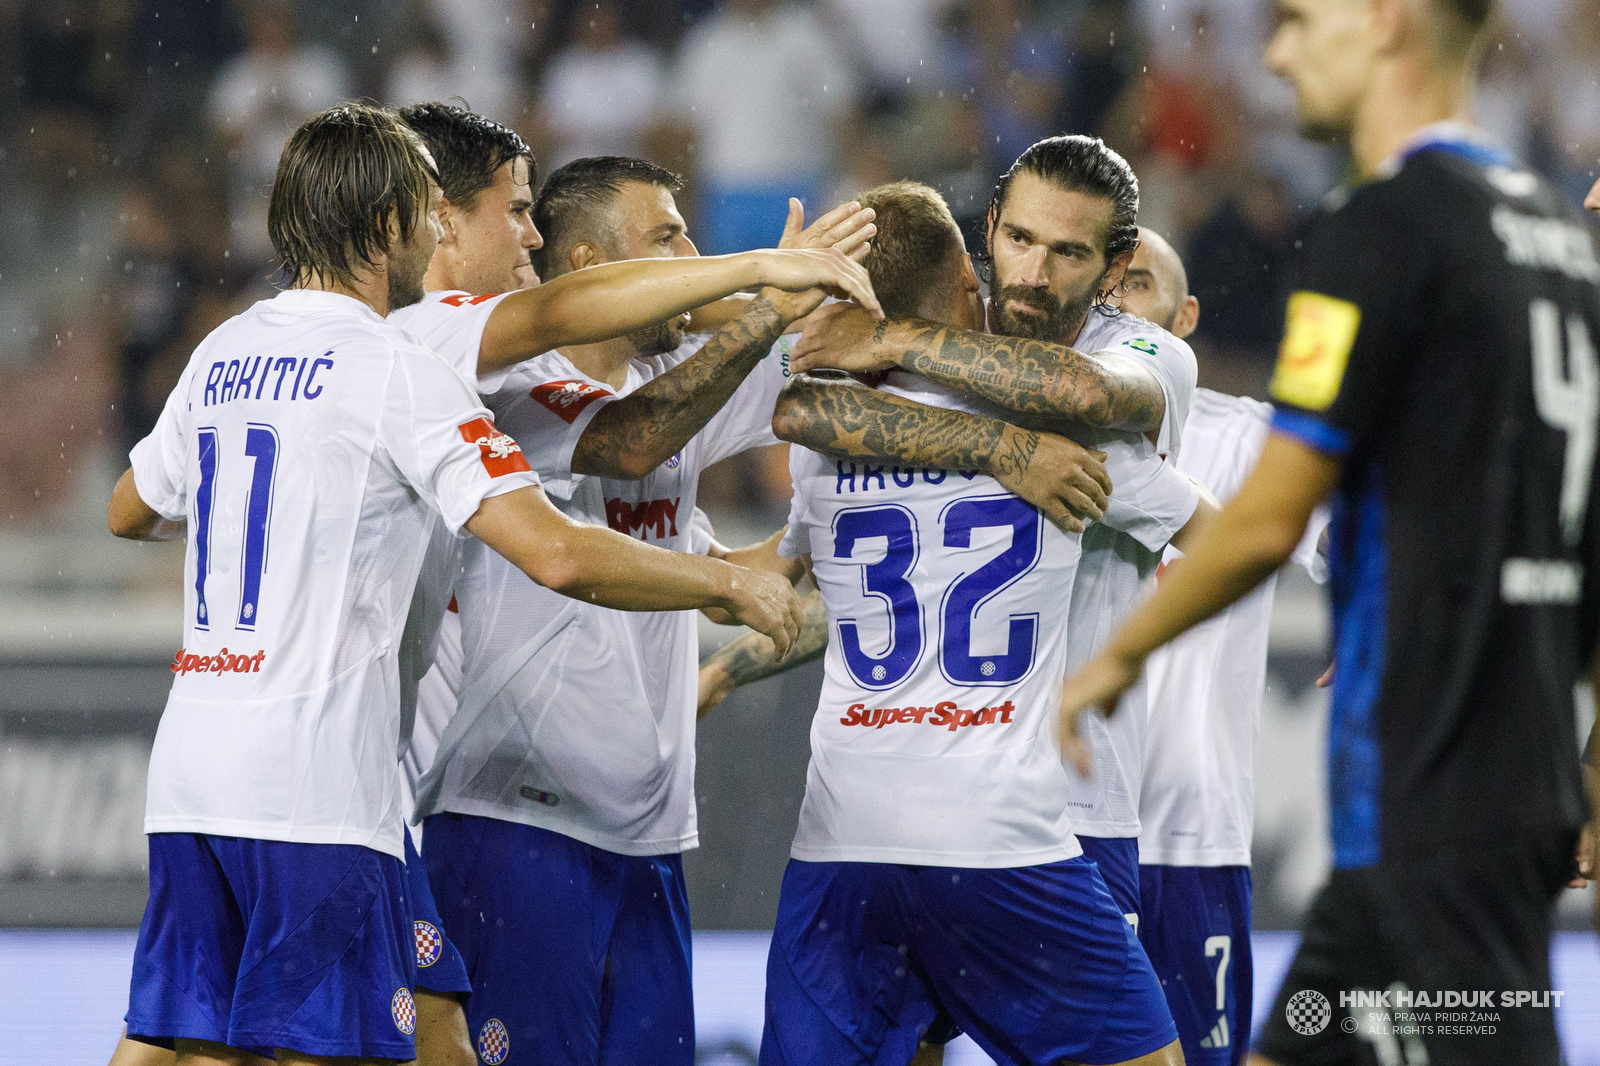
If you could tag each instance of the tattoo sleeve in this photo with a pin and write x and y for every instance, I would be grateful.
(846, 420)
(636, 434)
(1043, 383)
(751, 657)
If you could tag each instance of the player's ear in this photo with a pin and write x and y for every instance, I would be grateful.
(969, 276)
(1188, 317)
(583, 254)
(1115, 269)
(447, 223)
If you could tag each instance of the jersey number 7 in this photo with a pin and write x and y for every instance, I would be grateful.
(886, 580)
(260, 444)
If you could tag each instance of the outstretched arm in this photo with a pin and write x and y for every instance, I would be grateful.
(846, 420)
(603, 567)
(1044, 384)
(1255, 534)
(613, 299)
(632, 436)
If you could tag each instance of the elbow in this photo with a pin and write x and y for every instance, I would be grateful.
(561, 569)
(787, 421)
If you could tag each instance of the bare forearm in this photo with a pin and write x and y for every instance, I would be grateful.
(753, 656)
(1044, 383)
(633, 436)
(606, 301)
(845, 420)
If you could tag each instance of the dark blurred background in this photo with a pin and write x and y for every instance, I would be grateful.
(137, 144)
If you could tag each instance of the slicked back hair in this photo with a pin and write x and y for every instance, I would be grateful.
(341, 175)
(569, 205)
(910, 261)
(467, 148)
(1083, 165)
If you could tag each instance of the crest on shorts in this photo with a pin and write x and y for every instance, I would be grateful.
(404, 1011)
(430, 945)
(494, 1043)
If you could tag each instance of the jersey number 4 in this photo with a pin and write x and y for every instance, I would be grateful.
(260, 444)
(1568, 399)
(886, 580)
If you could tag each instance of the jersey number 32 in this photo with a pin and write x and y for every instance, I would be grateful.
(886, 580)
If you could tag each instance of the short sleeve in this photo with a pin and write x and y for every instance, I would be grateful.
(161, 460)
(451, 325)
(796, 540)
(1172, 363)
(745, 421)
(445, 442)
(1348, 331)
(1309, 554)
(1151, 499)
(701, 533)
(546, 405)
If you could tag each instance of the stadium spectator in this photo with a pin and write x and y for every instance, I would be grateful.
(777, 135)
(257, 101)
(600, 95)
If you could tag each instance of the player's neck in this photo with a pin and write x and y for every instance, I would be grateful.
(440, 277)
(370, 289)
(1406, 95)
(606, 361)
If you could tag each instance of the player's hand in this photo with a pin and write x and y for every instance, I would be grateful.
(843, 337)
(766, 602)
(1100, 683)
(1585, 856)
(1060, 477)
(828, 269)
(1326, 680)
(847, 229)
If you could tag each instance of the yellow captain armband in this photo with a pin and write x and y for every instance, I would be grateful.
(1316, 348)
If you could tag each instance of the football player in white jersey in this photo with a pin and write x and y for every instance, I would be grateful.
(1197, 804)
(304, 453)
(1067, 205)
(935, 874)
(571, 752)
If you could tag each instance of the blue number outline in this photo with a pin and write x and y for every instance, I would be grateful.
(958, 607)
(204, 504)
(896, 662)
(260, 443)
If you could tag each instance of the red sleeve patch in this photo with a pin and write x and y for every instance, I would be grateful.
(567, 399)
(463, 299)
(500, 454)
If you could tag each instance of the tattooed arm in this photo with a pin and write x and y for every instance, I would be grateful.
(753, 656)
(634, 435)
(846, 420)
(1042, 383)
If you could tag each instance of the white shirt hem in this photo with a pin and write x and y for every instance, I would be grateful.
(984, 860)
(384, 840)
(604, 841)
(1150, 856)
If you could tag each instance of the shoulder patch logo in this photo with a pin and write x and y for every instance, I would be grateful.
(1139, 344)
(466, 299)
(499, 452)
(1316, 347)
(567, 399)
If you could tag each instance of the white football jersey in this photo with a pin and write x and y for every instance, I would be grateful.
(310, 446)
(451, 323)
(573, 717)
(1116, 571)
(1197, 806)
(934, 741)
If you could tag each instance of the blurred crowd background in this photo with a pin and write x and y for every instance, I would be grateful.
(138, 140)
